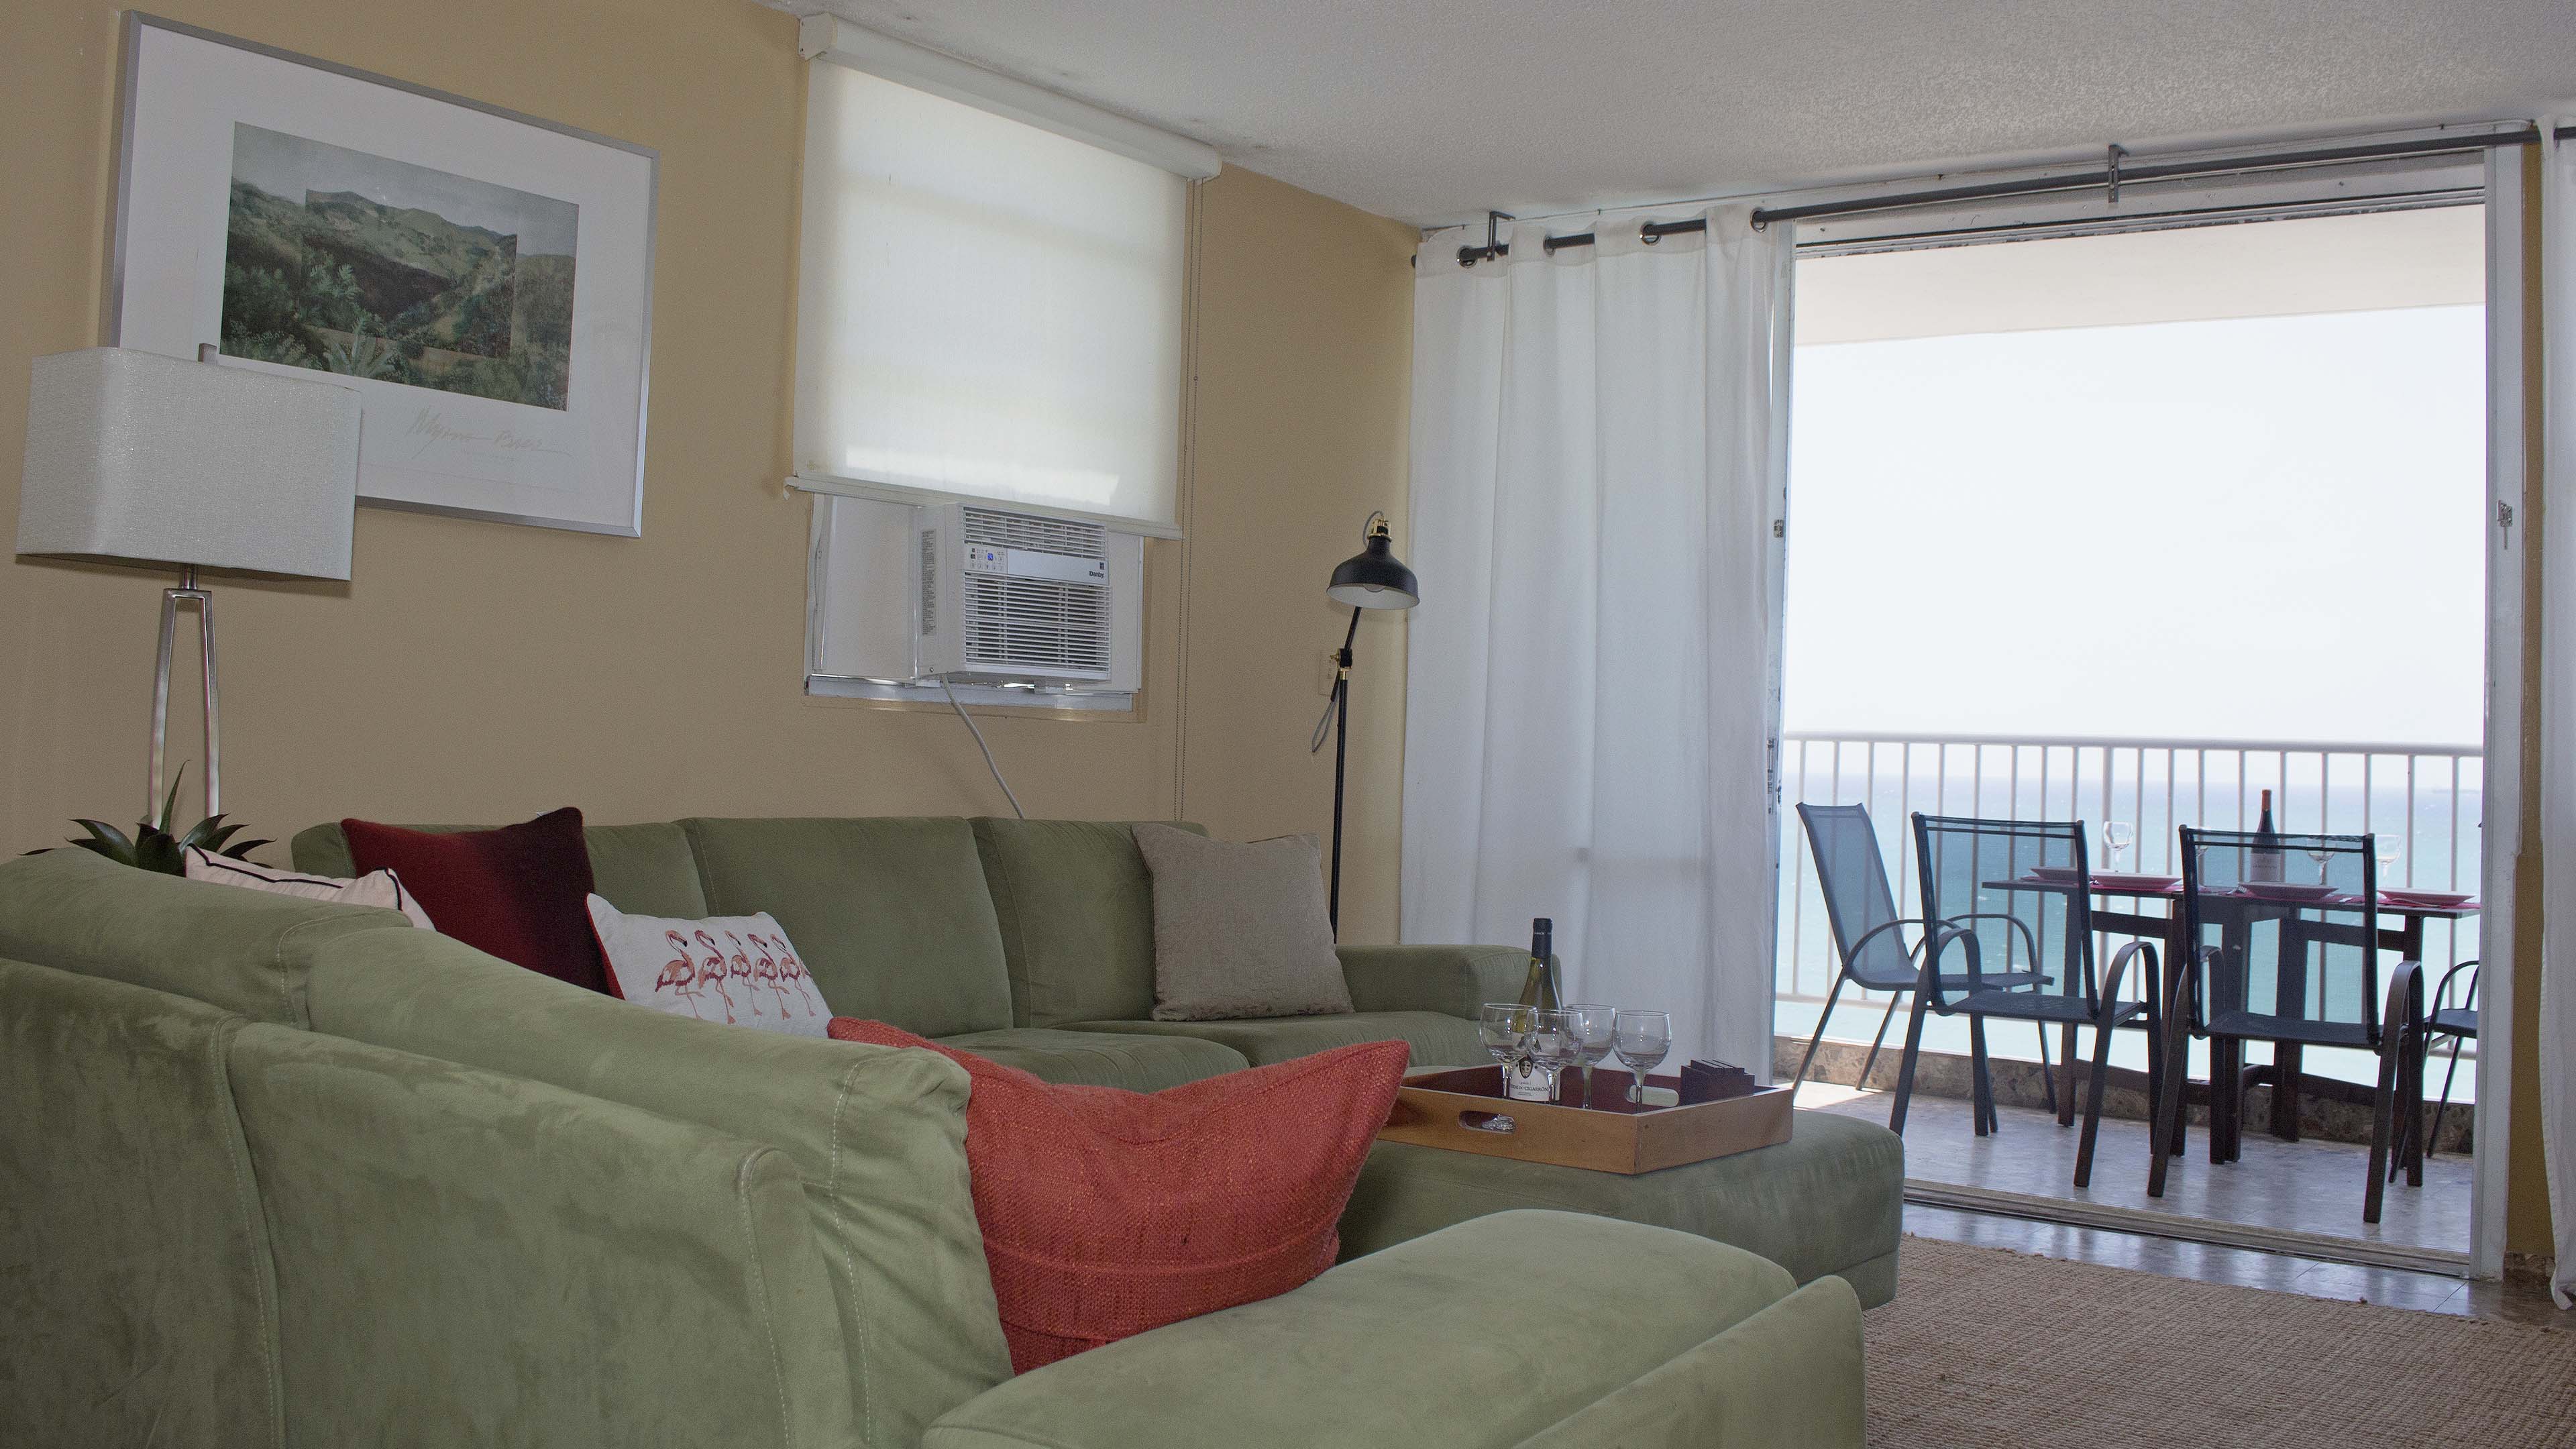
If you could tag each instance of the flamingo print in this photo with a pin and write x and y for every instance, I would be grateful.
(679, 976)
(764, 970)
(740, 964)
(712, 969)
(792, 972)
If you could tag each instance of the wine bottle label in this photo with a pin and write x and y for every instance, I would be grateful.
(2263, 865)
(1525, 1084)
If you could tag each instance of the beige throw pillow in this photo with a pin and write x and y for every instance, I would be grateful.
(1240, 930)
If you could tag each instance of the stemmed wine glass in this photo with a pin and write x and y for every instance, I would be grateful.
(1591, 1028)
(1505, 1028)
(1551, 1048)
(2387, 853)
(1641, 1039)
(2117, 837)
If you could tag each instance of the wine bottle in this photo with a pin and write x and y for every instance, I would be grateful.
(2263, 862)
(1525, 1083)
(1539, 989)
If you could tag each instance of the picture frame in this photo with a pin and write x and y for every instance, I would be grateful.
(482, 279)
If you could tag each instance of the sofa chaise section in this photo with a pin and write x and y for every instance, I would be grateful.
(1519, 1328)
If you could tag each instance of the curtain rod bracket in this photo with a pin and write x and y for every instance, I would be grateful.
(2111, 169)
(1494, 245)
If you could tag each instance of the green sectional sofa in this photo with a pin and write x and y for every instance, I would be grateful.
(285, 1172)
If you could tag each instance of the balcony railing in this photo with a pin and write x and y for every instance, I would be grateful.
(2427, 796)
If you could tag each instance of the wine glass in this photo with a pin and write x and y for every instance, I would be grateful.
(1551, 1048)
(2117, 837)
(1641, 1039)
(2324, 860)
(2387, 852)
(1504, 1027)
(1591, 1028)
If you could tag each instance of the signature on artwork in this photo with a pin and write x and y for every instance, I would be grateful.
(430, 428)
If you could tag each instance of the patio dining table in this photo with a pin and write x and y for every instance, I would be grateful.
(2406, 938)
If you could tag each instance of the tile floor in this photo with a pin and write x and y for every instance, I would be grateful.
(2308, 1186)
(2518, 1301)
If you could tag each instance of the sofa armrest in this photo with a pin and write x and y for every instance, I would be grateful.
(1454, 980)
(1424, 1345)
(466, 1257)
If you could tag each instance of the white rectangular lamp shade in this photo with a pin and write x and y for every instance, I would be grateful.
(133, 457)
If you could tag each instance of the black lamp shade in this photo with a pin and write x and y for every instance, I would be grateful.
(1375, 579)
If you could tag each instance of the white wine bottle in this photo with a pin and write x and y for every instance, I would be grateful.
(2263, 862)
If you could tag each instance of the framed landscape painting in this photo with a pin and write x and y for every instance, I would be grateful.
(481, 279)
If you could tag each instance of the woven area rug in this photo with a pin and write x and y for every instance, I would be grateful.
(1985, 1348)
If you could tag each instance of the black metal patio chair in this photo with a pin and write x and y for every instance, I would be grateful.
(2285, 945)
(2015, 893)
(1869, 946)
(2460, 1024)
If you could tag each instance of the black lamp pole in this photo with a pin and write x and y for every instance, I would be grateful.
(1372, 579)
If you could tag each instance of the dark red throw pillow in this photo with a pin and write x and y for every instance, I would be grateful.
(1107, 1212)
(518, 892)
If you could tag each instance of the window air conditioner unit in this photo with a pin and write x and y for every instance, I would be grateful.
(1011, 596)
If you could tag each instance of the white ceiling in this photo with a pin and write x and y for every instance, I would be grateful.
(1434, 110)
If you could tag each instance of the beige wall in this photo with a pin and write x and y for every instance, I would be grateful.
(475, 671)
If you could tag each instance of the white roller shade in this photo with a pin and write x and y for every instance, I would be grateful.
(986, 308)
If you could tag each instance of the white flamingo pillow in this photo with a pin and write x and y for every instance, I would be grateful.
(736, 970)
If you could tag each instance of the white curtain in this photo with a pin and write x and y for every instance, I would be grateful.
(2558, 700)
(1599, 462)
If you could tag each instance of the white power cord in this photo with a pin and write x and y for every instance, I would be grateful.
(987, 749)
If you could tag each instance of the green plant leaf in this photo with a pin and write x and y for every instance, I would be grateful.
(170, 806)
(242, 850)
(107, 840)
(157, 850)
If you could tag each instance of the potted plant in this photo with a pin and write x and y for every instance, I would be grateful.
(151, 846)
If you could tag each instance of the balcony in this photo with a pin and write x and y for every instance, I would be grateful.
(2424, 801)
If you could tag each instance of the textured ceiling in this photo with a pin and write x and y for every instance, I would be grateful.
(1435, 110)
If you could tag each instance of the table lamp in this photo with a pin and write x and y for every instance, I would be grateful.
(1373, 578)
(137, 458)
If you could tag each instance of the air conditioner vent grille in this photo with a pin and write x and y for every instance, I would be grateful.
(992, 528)
(1023, 623)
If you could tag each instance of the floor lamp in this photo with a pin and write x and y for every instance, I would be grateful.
(1371, 579)
(136, 458)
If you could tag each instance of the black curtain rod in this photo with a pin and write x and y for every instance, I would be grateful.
(2124, 174)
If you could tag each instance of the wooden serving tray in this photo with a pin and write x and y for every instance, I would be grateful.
(1611, 1134)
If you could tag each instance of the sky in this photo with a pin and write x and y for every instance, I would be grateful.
(2228, 527)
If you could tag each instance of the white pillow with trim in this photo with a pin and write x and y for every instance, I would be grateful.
(375, 888)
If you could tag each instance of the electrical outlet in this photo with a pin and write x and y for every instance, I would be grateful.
(1332, 666)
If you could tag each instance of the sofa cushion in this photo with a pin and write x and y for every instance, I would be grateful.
(736, 970)
(1107, 1213)
(646, 869)
(1077, 913)
(1484, 1335)
(890, 912)
(1437, 1039)
(515, 892)
(245, 951)
(136, 1292)
(1828, 1200)
(879, 1136)
(1102, 1059)
(1240, 929)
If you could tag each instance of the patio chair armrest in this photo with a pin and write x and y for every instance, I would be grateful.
(2403, 1012)
(2119, 970)
(1874, 932)
(1928, 977)
(2442, 993)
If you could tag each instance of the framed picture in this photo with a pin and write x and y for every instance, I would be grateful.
(482, 279)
